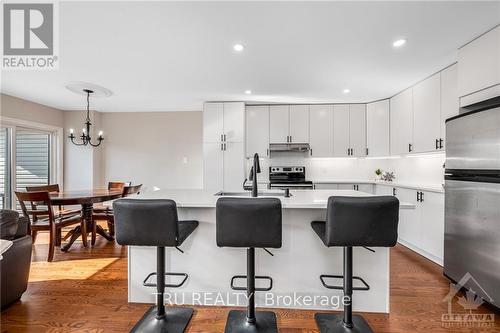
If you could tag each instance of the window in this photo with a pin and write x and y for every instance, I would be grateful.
(32, 158)
(4, 168)
(28, 157)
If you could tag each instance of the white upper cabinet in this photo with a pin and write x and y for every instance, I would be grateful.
(288, 123)
(357, 129)
(341, 130)
(479, 68)
(449, 97)
(234, 120)
(401, 123)
(321, 130)
(427, 114)
(213, 122)
(279, 123)
(377, 128)
(299, 123)
(223, 122)
(349, 130)
(257, 130)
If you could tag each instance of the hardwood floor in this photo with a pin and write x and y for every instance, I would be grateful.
(85, 290)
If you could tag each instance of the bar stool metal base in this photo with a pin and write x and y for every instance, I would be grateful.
(237, 322)
(334, 323)
(175, 321)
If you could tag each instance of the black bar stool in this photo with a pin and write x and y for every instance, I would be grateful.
(155, 223)
(251, 223)
(354, 221)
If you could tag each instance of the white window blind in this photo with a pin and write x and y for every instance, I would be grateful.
(32, 158)
(4, 174)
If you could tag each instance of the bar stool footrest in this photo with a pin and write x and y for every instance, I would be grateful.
(322, 277)
(256, 278)
(145, 283)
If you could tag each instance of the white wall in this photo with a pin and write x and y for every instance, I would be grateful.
(17, 108)
(162, 149)
(82, 165)
(419, 169)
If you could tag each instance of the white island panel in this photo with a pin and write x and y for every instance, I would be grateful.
(295, 267)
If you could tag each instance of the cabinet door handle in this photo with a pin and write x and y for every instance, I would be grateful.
(221, 146)
(421, 196)
(267, 151)
(311, 151)
(394, 191)
(221, 137)
(291, 138)
(224, 137)
(410, 147)
(441, 143)
(437, 144)
(418, 196)
(366, 151)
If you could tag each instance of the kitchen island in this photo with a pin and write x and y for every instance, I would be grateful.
(295, 268)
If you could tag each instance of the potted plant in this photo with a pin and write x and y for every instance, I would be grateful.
(378, 174)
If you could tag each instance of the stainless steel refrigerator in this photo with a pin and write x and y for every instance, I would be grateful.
(472, 202)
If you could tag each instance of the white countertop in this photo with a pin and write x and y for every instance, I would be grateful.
(417, 186)
(303, 199)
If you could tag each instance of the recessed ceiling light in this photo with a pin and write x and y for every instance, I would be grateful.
(238, 47)
(248, 92)
(399, 43)
(346, 91)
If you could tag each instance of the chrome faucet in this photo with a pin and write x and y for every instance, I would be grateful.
(253, 174)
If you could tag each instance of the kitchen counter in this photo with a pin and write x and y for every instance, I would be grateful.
(300, 199)
(416, 186)
(295, 267)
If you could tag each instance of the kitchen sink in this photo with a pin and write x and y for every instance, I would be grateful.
(249, 194)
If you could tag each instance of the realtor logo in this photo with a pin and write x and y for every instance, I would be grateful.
(29, 36)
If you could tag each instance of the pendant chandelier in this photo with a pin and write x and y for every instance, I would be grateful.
(85, 137)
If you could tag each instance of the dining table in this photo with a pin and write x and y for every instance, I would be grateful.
(86, 199)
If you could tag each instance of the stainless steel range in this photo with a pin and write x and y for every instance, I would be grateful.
(289, 177)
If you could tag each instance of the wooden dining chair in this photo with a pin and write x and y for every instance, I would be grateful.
(45, 219)
(104, 212)
(52, 188)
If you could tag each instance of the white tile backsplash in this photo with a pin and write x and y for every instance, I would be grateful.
(418, 169)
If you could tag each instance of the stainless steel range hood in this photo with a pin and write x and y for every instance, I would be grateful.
(289, 147)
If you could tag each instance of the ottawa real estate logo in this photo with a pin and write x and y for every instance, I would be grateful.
(29, 36)
(470, 316)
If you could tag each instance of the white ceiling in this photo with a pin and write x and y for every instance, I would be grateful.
(168, 56)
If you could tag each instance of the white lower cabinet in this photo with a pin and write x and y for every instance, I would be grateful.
(213, 166)
(420, 229)
(432, 222)
(368, 188)
(234, 166)
(325, 186)
(223, 167)
(409, 219)
(384, 190)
